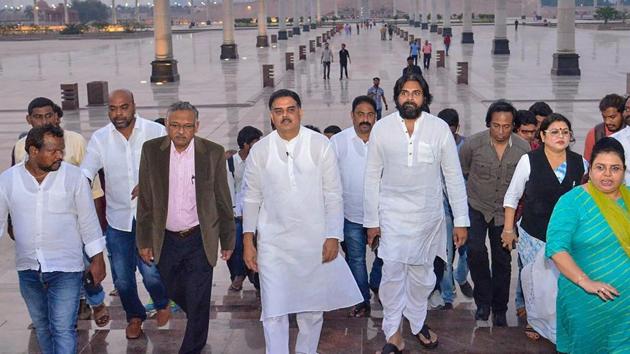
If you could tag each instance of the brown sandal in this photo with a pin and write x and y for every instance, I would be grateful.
(531, 333)
(101, 315)
(427, 337)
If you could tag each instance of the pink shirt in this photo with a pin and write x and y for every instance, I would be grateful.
(427, 49)
(182, 197)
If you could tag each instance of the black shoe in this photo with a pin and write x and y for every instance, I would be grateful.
(446, 306)
(498, 319)
(482, 314)
(466, 289)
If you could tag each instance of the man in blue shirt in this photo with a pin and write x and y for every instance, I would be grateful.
(414, 49)
(377, 94)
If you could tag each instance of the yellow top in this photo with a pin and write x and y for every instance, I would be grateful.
(73, 154)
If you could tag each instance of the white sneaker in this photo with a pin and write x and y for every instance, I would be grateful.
(435, 299)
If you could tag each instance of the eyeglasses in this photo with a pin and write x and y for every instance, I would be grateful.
(559, 132)
(178, 127)
(414, 94)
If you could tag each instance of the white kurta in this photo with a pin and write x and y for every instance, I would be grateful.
(293, 198)
(404, 192)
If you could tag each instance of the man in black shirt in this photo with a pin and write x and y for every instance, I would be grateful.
(411, 68)
(344, 58)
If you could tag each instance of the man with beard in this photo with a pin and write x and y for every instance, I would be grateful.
(351, 149)
(403, 202)
(293, 199)
(611, 108)
(54, 223)
(42, 111)
(488, 160)
(626, 110)
(116, 149)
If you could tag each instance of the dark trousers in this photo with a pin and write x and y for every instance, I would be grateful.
(342, 67)
(326, 70)
(188, 278)
(427, 60)
(492, 285)
(415, 59)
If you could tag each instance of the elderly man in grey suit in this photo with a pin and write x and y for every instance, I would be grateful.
(184, 212)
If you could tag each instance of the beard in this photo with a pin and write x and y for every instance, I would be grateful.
(410, 111)
(52, 167)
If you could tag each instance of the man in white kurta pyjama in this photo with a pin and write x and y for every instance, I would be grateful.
(293, 199)
(403, 197)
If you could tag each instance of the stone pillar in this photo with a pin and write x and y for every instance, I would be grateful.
(595, 4)
(164, 67)
(228, 48)
(306, 7)
(425, 14)
(447, 19)
(394, 11)
(313, 13)
(282, 20)
(539, 8)
(114, 17)
(467, 34)
(336, 8)
(434, 19)
(137, 11)
(416, 13)
(565, 60)
(296, 17)
(620, 5)
(500, 44)
(318, 11)
(262, 40)
(66, 18)
(411, 13)
(35, 13)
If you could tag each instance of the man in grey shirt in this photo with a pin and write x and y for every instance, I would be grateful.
(327, 58)
(488, 161)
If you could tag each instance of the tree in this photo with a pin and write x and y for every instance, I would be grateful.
(606, 13)
(91, 10)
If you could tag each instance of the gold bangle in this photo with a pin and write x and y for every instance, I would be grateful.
(508, 231)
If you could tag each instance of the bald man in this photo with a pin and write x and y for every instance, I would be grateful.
(116, 149)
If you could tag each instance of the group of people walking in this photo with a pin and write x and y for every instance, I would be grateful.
(280, 209)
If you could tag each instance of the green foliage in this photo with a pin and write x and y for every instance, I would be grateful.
(91, 10)
(606, 13)
(72, 29)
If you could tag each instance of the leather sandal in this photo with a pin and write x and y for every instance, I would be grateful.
(427, 337)
(101, 315)
(390, 348)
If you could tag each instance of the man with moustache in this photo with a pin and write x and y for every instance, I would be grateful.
(184, 210)
(116, 149)
(488, 160)
(54, 223)
(42, 111)
(611, 108)
(351, 149)
(403, 204)
(293, 199)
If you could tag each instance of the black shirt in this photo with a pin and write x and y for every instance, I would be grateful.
(343, 56)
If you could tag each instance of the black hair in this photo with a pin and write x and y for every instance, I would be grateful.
(247, 135)
(524, 117)
(313, 128)
(409, 58)
(450, 116)
(35, 137)
(613, 100)
(363, 99)
(540, 108)
(552, 118)
(58, 110)
(284, 93)
(40, 102)
(332, 129)
(376, 78)
(423, 85)
(608, 145)
(500, 105)
(160, 121)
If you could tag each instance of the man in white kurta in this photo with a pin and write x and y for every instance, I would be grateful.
(293, 199)
(403, 204)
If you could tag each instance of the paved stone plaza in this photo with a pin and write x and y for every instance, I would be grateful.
(230, 96)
